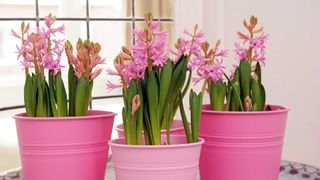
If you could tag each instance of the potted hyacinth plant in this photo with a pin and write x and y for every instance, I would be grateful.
(243, 135)
(153, 85)
(186, 49)
(59, 137)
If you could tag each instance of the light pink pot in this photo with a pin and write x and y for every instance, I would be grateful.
(176, 129)
(66, 148)
(178, 161)
(242, 145)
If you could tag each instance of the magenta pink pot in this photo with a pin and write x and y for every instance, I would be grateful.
(177, 161)
(242, 145)
(176, 129)
(66, 148)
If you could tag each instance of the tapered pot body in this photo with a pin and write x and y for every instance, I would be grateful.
(177, 161)
(242, 145)
(64, 148)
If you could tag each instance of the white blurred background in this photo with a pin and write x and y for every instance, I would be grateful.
(290, 76)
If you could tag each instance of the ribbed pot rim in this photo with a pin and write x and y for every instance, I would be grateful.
(114, 143)
(102, 114)
(279, 110)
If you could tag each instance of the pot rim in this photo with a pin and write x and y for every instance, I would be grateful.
(113, 143)
(22, 116)
(282, 109)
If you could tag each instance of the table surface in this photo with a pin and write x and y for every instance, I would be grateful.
(288, 171)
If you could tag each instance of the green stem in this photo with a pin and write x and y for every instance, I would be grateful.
(237, 94)
(204, 86)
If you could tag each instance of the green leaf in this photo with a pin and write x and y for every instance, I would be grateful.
(195, 109)
(184, 120)
(34, 95)
(165, 79)
(258, 72)
(228, 99)
(257, 96)
(72, 82)
(29, 101)
(234, 102)
(237, 94)
(245, 79)
(176, 84)
(153, 106)
(62, 102)
(139, 117)
(218, 91)
(52, 90)
(40, 99)
(149, 139)
(82, 97)
(128, 118)
(263, 97)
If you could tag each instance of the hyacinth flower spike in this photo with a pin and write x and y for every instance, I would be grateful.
(83, 69)
(41, 51)
(248, 74)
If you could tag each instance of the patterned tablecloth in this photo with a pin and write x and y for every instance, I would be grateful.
(288, 171)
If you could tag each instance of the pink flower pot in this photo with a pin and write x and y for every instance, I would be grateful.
(176, 129)
(178, 161)
(242, 145)
(64, 148)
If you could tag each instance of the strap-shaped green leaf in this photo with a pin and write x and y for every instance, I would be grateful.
(82, 96)
(72, 82)
(184, 120)
(245, 79)
(62, 103)
(218, 91)
(29, 100)
(257, 96)
(152, 90)
(195, 109)
(165, 79)
(257, 71)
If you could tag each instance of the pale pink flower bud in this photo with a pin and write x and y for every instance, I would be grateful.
(247, 103)
(135, 104)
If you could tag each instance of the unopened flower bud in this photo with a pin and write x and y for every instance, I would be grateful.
(135, 104)
(195, 28)
(205, 46)
(255, 77)
(247, 103)
(148, 18)
(218, 43)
